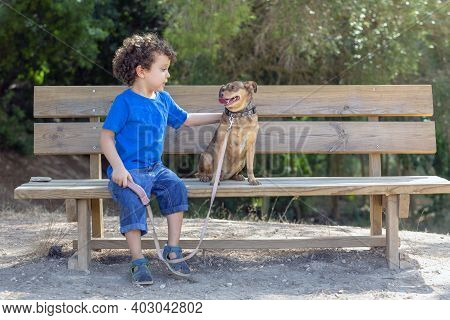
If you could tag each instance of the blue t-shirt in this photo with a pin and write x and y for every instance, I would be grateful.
(140, 124)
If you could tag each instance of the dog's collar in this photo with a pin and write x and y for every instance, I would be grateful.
(248, 111)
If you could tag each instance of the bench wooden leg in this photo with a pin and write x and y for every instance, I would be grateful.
(81, 259)
(376, 208)
(95, 164)
(97, 218)
(392, 240)
(403, 206)
(71, 210)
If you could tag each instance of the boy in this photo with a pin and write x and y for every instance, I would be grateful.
(132, 140)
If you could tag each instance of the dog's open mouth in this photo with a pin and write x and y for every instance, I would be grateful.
(227, 102)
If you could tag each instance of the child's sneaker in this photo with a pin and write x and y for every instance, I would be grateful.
(140, 272)
(180, 267)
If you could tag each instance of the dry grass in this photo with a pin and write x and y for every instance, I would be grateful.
(54, 234)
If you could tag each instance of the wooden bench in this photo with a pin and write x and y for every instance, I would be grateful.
(368, 136)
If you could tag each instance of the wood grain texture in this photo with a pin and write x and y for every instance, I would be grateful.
(403, 205)
(271, 101)
(376, 207)
(71, 210)
(95, 172)
(326, 137)
(392, 254)
(290, 186)
(376, 215)
(84, 235)
(322, 242)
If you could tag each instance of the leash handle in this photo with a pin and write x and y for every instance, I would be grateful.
(139, 192)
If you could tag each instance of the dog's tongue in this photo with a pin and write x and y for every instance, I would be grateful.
(223, 100)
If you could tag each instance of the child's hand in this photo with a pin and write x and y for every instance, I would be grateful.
(121, 176)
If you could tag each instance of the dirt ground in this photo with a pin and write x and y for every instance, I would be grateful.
(27, 273)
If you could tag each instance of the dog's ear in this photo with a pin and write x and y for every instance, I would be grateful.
(251, 85)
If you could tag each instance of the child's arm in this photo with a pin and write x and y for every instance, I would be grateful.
(196, 119)
(120, 175)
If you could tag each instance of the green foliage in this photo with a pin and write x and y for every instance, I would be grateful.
(15, 127)
(47, 39)
(45, 42)
(306, 42)
(199, 30)
(60, 43)
(121, 18)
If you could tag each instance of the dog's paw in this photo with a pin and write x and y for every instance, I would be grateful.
(238, 177)
(204, 178)
(254, 182)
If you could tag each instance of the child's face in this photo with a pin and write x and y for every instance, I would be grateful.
(156, 78)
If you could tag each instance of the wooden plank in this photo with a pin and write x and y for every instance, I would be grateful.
(325, 137)
(271, 101)
(280, 186)
(283, 181)
(392, 254)
(71, 210)
(403, 206)
(84, 235)
(376, 208)
(95, 172)
(349, 137)
(323, 242)
(67, 138)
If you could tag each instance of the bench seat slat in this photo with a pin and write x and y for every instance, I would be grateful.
(290, 186)
(338, 137)
(271, 101)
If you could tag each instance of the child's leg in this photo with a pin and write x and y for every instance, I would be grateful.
(133, 215)
(134, 243)
(174, 222)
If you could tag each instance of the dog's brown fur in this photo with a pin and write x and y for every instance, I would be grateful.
(240, 148)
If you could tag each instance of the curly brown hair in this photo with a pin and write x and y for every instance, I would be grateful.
(139, 50)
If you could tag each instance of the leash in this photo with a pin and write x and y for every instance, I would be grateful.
(146, 202)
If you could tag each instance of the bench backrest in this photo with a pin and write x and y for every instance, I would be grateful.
(276, 135)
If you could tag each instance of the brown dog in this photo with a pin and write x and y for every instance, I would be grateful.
(237, 97)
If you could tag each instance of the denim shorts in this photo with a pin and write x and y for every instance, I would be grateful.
(169, 189)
